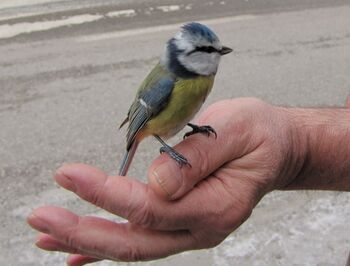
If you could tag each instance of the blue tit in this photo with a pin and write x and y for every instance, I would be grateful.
(174, 91)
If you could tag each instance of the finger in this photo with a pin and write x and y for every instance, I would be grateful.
(78, 260)
(49, 243)
(101, 238)
(205, 154)
(138, 204)
(125, 197)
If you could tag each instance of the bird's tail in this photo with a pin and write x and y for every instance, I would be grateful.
(128, 158)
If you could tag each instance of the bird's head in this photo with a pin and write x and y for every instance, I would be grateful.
(195, 50)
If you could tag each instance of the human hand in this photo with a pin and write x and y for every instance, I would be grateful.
(180, 209)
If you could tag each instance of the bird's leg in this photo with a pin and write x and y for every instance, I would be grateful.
(200, 129)
(179, 158)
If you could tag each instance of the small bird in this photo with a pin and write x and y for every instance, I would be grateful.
(174, 91)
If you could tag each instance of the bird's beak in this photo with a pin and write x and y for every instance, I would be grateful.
(225, 50)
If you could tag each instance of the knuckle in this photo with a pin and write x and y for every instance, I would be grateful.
(97, 193)
(71, 240)
(142, 214)
(71, 237)
(129, 254)
(202, 159)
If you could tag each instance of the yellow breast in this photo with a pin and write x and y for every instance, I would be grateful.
(185, 101)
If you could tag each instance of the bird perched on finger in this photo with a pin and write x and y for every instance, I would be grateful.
(174, 91)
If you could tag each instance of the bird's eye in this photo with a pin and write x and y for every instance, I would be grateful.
(206, 49)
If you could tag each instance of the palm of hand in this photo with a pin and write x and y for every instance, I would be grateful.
(181, 208)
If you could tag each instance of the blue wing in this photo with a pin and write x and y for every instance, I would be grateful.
(152, 97)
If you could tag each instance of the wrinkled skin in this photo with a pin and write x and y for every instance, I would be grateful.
(256, 151)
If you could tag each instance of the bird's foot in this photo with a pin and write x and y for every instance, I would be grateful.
(200, 129)
(179, 158)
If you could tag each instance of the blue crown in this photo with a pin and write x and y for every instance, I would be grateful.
(196, 28)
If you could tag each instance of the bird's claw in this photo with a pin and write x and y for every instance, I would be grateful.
(200, 129)
(179, 158)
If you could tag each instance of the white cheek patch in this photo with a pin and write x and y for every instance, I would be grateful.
(201, 63)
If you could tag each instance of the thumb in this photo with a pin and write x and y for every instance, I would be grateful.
(205, 154)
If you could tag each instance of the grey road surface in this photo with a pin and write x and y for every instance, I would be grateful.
(68, 72)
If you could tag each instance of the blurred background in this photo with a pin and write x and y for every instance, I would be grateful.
(69, 70)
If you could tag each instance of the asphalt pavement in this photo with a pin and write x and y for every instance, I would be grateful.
(69, 70)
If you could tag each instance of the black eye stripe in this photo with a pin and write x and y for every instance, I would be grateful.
(205, 49)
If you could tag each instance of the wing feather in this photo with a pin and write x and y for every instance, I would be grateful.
(151, 98)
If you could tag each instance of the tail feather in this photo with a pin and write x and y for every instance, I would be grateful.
(124, 167)
(124, 122)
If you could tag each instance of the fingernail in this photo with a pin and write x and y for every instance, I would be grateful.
(168, 177)
(37, 223)
(64, 180)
